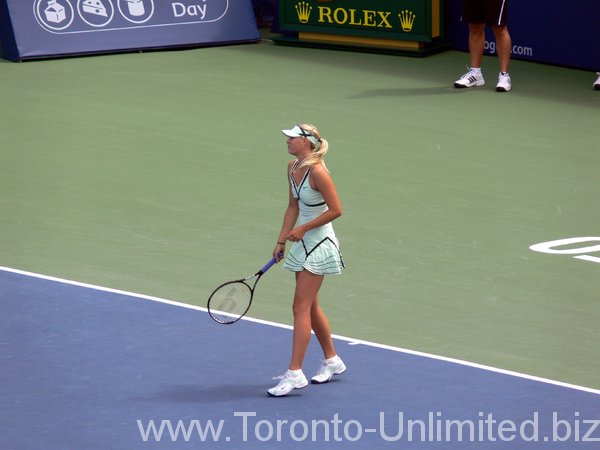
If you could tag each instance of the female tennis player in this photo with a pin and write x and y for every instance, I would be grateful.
(314, 253)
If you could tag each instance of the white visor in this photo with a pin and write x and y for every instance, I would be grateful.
(299, 132)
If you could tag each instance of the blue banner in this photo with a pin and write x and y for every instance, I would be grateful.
(43, 28)
(548, 31)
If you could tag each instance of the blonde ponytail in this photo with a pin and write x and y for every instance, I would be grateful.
(319, 148)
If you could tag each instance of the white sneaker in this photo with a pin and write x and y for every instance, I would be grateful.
(504, 84)
(288, 383)
(597, 83)
(328, 370)
(470, 79)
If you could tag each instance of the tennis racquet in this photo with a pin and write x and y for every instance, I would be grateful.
(231, 301)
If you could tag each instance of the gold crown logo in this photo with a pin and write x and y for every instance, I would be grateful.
(303, 9)
(407, 19)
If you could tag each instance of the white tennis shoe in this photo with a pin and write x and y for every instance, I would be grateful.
(597, 83)
(288, 382)
(504, 83)
(328, 369)
(472, 78)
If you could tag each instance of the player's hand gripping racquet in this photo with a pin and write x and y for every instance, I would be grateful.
(231, 301)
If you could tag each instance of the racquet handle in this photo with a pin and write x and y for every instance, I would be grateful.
(268, 265)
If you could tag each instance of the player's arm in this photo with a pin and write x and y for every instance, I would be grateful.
(290, 218)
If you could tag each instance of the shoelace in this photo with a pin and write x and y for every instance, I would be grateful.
(469, 72)
(282, 376)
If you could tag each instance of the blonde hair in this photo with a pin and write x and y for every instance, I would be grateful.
(319, 149)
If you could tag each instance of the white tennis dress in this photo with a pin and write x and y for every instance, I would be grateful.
(319, 250)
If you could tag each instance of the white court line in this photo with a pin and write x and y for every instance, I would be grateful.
(351, 341)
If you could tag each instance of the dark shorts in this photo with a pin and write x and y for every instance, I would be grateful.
(490, 12)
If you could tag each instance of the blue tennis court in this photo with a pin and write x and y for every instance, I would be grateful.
(89, 367)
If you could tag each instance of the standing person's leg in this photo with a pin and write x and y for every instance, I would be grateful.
(308, 316)
(473, 12)
(332, 364)
(474, 77)
(497, 14)
(305, 296)
(320, 326)
(476, 44)
(503, 46)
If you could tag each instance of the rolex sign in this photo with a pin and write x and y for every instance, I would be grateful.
(408, 20)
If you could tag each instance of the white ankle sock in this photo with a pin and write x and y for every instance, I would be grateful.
(333, 359)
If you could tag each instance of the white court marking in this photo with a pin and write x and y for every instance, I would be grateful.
(349, 340)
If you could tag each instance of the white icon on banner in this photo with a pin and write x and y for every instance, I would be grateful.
(53, 15)
(136, 11)
(55, 12)
(94, 7)
(136, 7)
(96, 13)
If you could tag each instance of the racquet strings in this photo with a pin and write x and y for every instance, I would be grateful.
(230, 302)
